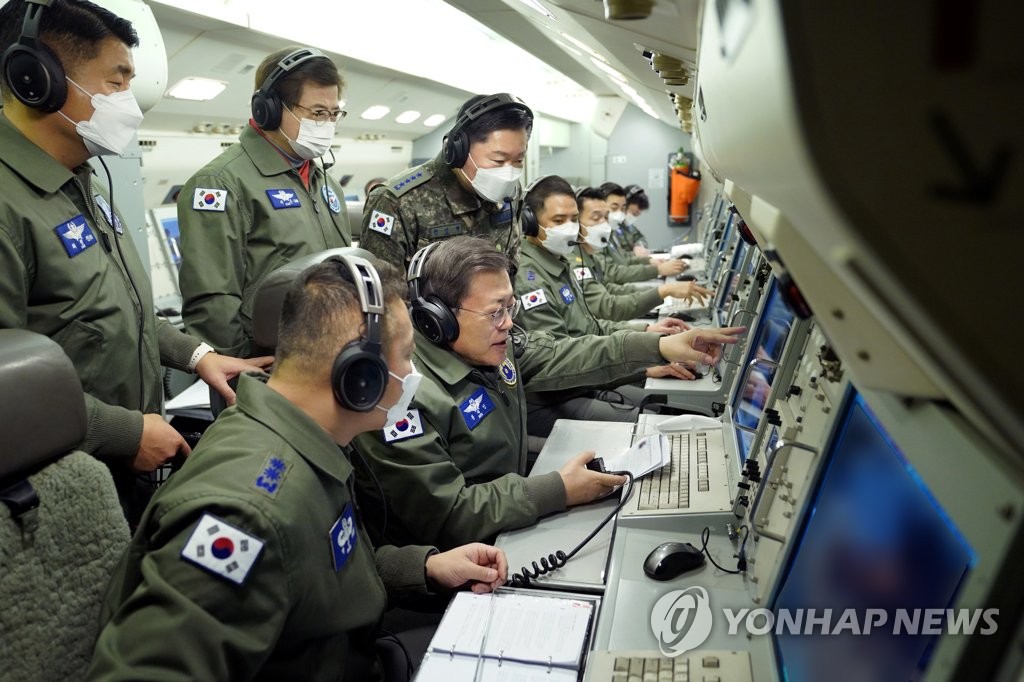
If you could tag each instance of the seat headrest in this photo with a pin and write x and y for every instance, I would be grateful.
(266, 309)
(42, 409)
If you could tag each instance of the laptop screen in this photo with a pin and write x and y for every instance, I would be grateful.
(768, 340)
(873, 538)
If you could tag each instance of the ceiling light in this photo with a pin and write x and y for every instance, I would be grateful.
(614, 73)
(583, 46)
(377, 111)
(535, 5)
(195, 88)
(434, 120)
(407, 116)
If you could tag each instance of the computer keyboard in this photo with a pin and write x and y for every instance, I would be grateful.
(669, 486)
(651, 666)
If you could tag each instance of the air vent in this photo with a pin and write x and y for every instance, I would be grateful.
(147, 144)
(225, 145)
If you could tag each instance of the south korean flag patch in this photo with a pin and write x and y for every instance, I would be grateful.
(210, 199)
(582, 274)
(408, 427)
(533, 299)
(222, 549)
(382, 222)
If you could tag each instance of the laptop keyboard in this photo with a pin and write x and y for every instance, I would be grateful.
(669, 486)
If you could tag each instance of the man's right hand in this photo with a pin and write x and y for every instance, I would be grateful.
(702, 345)
(160, 442)
(685, 291)
(583, 485)
(670, 267)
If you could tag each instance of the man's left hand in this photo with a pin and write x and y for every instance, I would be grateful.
(216, 370)
(482, 566)
(669, 325)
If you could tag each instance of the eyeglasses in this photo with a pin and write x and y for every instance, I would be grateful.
(498, 316)
(321, 116)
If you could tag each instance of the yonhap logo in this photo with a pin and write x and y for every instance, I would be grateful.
(681, 620)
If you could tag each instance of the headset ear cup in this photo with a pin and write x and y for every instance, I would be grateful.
(266, 109)
(358, 378)
(528, 221)
(435, 320)
(456, 149)
(36, 77)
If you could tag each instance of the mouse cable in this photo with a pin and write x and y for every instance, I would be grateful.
(560, 558)
(741, 563)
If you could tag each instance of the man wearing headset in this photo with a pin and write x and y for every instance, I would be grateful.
(636, 203)
(252, 561)
(471, 187)
(68, 268)
(264, 201)
(618, 261)
(457, 460)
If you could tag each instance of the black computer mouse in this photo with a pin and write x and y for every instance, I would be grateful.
(685, 277)
(669, 559)
(685, 317)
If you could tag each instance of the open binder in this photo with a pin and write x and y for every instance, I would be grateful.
(510, 635)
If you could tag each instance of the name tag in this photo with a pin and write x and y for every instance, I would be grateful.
(444, 231)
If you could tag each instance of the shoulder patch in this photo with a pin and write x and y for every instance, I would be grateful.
(210, 199)
(222, 549)
(75, 235)
(331, 197)
(402, 184)
(343, 537)
(271, 476)
(533, 298)
(508, 372)
(582, 274)
(566, 293)
(476, 407)
(283, 198)
(382, 222)
(409, 427)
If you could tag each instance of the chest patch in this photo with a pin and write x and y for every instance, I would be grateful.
(444, 231)
(222, 549)
(108, 214)
(582, 274)
(566, 293)
(271, 476)
(507, 370)
(210, 199)
(283, 198)
(476, 407)
(408, 427)
(533, 299)
(531, 275)
(382, 222)
(75, 235)
(331, 198)
(344, 537)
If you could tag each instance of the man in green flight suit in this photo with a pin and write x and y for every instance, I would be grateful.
(251, 561)
(68, 268)
(471, 187)
(458, 458)
(264, 201)
(619, 262)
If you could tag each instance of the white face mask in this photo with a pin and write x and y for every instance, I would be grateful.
(115, 120)
(560, 239)
(496, 184)
(616, 217)
(410, 382)
(597, 235)
(313, 141)
(630, 219)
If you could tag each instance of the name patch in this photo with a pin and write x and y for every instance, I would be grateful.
(476, 407)
(408, 427)
(111, 217)
(444, 231)
(210, 199)
(75, 235)
(533, 299)
(382, 222)
(283, 198)
(222, 549)
(343, 537)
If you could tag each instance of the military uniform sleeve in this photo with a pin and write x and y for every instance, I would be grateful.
(624, 273)
(182, 622)
(212, 276)
(403, 570)
(550, 363)
(386, 238)
(542, 316)
(623, 306)
(176, 347)
(437, 505)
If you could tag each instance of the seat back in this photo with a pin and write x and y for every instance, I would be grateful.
(62, 530)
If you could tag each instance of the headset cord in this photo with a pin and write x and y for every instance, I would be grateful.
(559, 558)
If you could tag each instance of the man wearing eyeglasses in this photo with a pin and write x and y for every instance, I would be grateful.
(264, 201)
(453, 471)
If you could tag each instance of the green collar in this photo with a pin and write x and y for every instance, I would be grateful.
(264, 155)
(277, 413)
(445, 364)
(554, 266)
(460, 199)
(29, 161)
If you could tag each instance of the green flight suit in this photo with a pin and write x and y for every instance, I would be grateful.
(630, 236)
(307, 607)
(66, 272)
(621, 266)
(427, 204)
(264, 218)
(609, 300)
(453, 471)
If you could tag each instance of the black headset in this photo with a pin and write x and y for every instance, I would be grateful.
(359, 375)
(267, 107)
(455, 148)
(430, 315)
(31, 69)
(527, 218)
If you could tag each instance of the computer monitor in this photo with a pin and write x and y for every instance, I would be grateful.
(873, 537)
(166, 220)
(728, 287)
(715, 260)
(767, 341)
